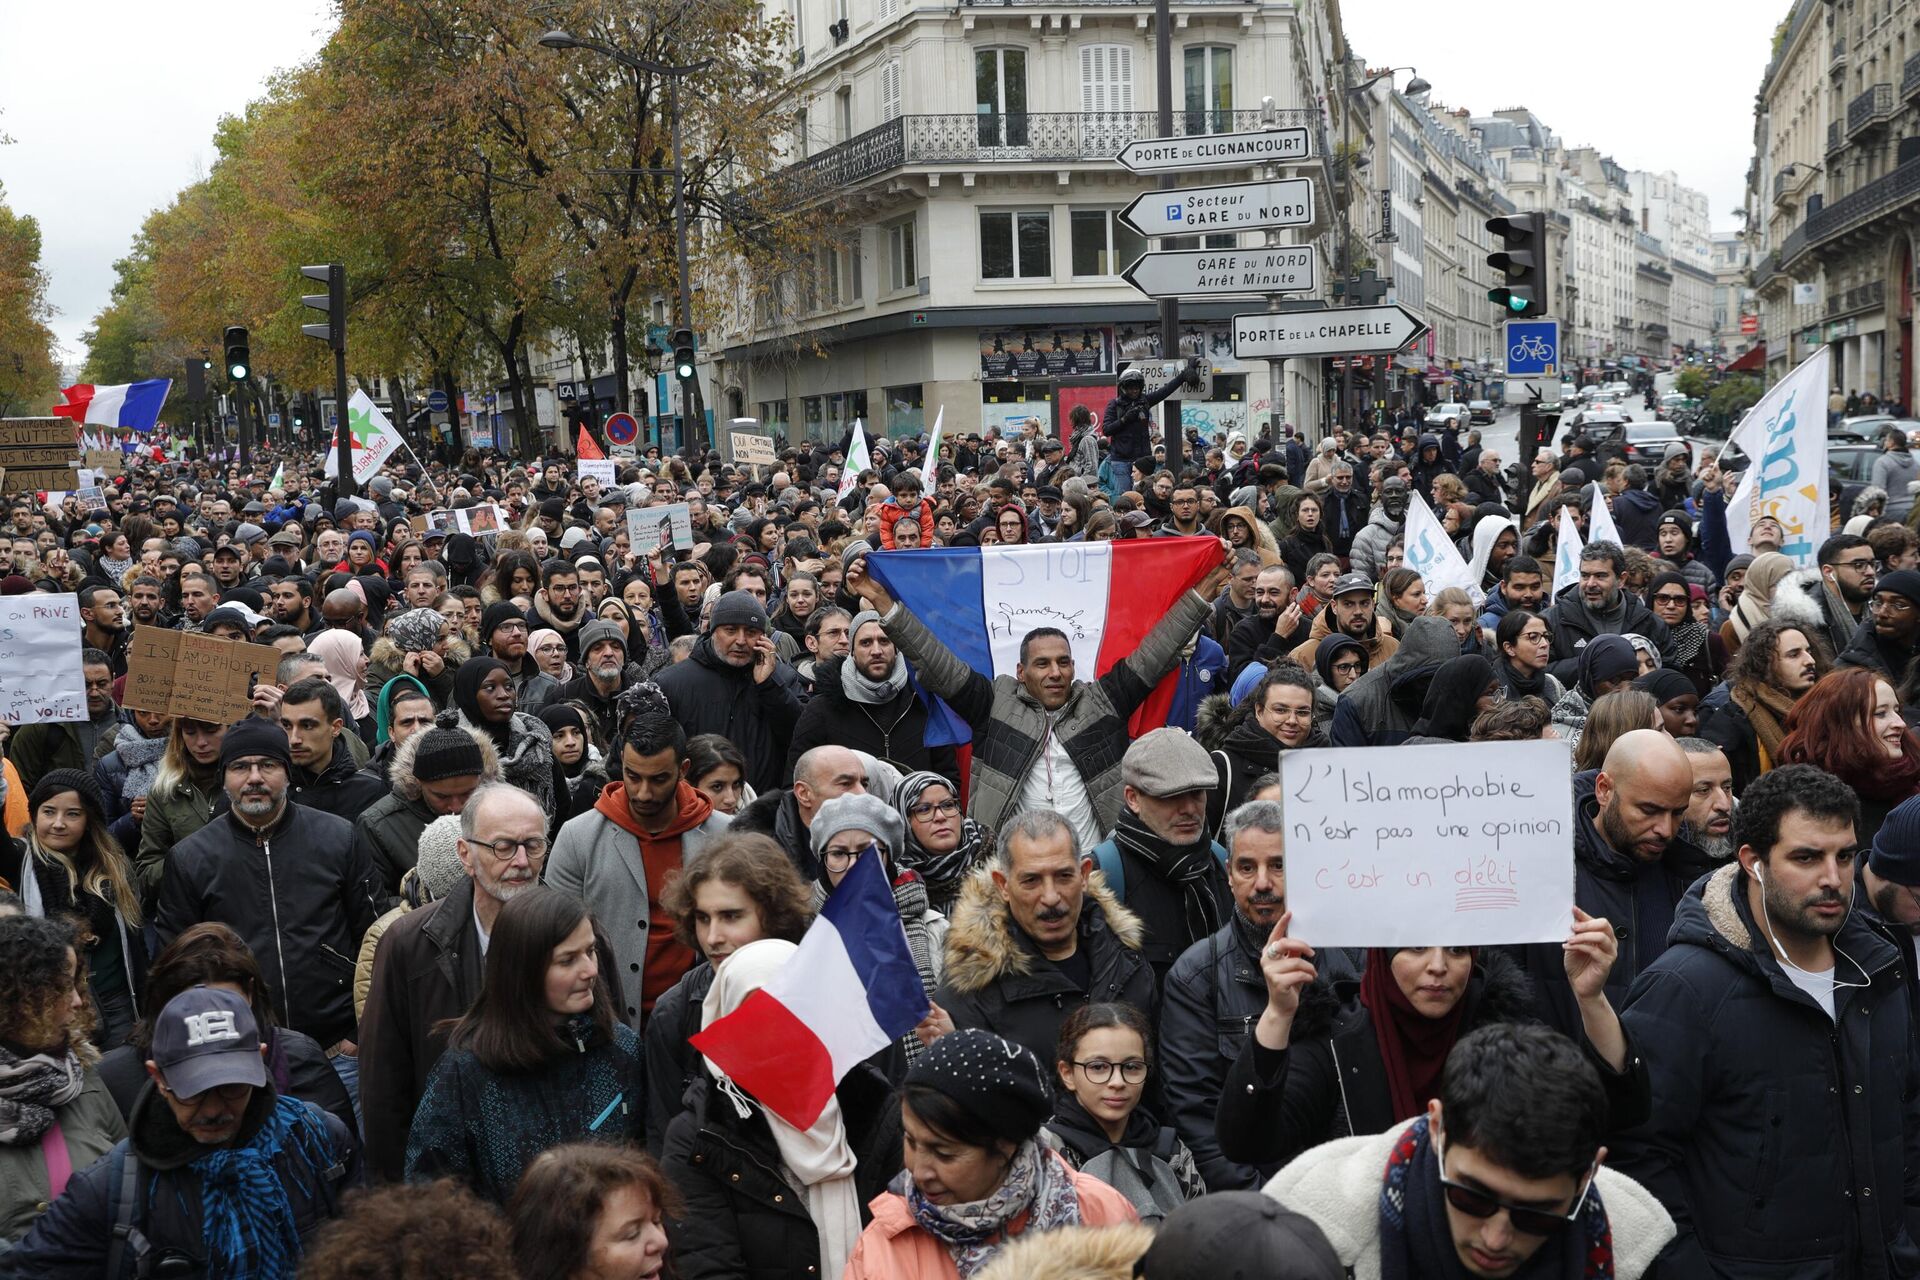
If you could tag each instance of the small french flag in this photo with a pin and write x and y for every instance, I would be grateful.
(131, 405)
(847, 992)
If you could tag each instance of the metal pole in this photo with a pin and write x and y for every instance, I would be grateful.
(1346, 227)
(1169, 307)
(240, 412)
(1276, 366)
(690, 399)
(345, 486)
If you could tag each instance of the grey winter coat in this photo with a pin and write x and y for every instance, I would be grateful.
(1369, 552)
(1895, 471)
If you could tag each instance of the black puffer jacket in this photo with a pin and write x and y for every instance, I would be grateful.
(300, 894)
(1240, 754)
(895, 731)
(743, 1220)
(1571, 624)
(708, 696)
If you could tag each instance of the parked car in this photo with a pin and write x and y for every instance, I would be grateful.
(1874, 426)
(1647, 442)
(1438, 415)
(1480, 412)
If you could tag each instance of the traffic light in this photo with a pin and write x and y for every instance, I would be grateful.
(1522, 264)
(333, 303)
(683, 354)
(239, 359)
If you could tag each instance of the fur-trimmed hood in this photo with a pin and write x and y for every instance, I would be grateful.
(387, 654)
(407, 787)
(1071, 1253)
(1498, 991)
(1210, 722)
(1800, 597)
(982, 945)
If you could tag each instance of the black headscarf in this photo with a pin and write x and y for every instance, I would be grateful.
(466, 696)
(1453, 698)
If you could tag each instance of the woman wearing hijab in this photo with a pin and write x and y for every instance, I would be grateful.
(940, 843)
(1756, 597)
(739, 1165)
(1339, 661)
(1677, 698)
(420, 643)
(1698, 654)
(580, 761)
(1606, 664)
(1333, 1060)
(346, 665)
(483, 700)
(1463, 688)
(1276, 717)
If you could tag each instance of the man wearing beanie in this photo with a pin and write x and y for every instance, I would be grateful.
(1890, 885)
(290, 881)
(503, 633)
(428, 966)
(1889, 635)
(735, 685)
(866, 701)
(433, 773)
(604, 675)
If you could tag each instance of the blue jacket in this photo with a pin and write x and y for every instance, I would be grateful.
(1786, 1144)
(1198, 677)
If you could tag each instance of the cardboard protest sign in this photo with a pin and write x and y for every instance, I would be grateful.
(40, 677)
(200, 677)
(478, 520)
(1422, 846)
(751, 446)
(105, 462)
(37, 453)
(649, 528)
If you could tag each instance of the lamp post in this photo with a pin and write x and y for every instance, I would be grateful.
(557, 39)
(1415, 87)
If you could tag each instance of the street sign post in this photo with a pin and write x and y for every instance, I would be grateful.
(437, 401)
(622, 428)
(1330, 331)
(1533, 348)
(1217, 151)
(1236, 206)
(1217, 272)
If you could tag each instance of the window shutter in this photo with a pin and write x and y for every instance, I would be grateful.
(890, 91)
(1106, 78)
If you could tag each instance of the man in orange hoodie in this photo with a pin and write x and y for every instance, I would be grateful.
(620, 854)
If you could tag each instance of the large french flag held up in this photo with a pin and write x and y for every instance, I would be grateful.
(848, 992)
(1106, 596)
(133, 405)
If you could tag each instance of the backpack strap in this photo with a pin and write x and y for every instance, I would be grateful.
(127, 1208)
(1106, 855)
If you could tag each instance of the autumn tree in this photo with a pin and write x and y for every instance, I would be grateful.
(29, 374)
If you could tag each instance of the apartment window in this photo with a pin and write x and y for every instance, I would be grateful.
(1016, 245)
(800, 132)
(1209, 88)
(837, 267)
(1106, 78)
(1102, 244)
(906, 411)
(843, 114)
(890, 91)
(1000, 96)
(903, 266)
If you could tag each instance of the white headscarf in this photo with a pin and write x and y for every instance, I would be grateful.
(818, 1158)
(1485, 534)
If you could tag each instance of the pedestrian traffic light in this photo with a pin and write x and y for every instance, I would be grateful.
(333, 302)
(1522, 264)
(239, 359)
(683, 354)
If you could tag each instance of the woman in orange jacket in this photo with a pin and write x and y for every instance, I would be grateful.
(976, 1173)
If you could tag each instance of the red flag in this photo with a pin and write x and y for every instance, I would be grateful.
(587, 448)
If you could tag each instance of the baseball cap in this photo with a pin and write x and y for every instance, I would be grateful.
(1350, 582)
(207, 1037)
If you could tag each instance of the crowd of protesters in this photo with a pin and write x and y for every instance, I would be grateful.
(399, 973)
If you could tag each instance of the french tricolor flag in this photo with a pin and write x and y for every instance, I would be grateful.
(846, 993)
(1106, 596)
(132, 405)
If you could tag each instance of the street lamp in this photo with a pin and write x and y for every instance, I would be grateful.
(559, 39)
(1416, 88)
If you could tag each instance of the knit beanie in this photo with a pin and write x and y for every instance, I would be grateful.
(856, 812)
(993, 1078)
(1896, 846)
(498, 614)
(55, 781)
(1901, 582)
(446, 753)
(438, 867)
(739, 609)
(254, 737)
(596, 631)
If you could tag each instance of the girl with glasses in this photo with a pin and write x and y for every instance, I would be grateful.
(1098, 1125)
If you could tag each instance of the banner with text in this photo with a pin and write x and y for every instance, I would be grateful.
(40, 677)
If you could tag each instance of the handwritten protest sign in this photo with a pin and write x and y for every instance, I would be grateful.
(646, 526)
(605, 470)
(37, 453)
(200, 677)
(40, 676)
(1420, 846)
(751, 446)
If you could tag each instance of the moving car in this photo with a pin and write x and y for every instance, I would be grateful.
(1438, 415)
(1480, 412)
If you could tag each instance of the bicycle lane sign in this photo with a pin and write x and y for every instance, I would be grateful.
(1533, 348)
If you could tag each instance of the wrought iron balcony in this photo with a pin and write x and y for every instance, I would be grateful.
(1873, 107)
(1882, 195)
(1039, 138)
(1860, 298)
(1910, 78)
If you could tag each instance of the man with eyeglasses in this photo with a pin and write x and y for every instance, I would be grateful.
(1777, 1032)
(1889, 636)
(621, 854)
(1503, 1175)
(428, 966)
(504, 633)
(1848, 573)
(211, 1109)
(288, 879)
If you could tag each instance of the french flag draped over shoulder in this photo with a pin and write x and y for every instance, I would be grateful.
(846, 993)
(133, 405)
(1106, 596)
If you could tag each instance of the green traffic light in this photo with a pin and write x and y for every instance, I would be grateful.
(684, 369)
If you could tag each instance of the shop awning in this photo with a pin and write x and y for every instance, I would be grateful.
(1752, 362)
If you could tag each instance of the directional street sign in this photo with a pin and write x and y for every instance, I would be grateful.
(1331, 331)
(1237, 206)
(1217, 151)
(1215, 272)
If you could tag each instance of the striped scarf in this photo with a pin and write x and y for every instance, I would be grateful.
(247, 1213)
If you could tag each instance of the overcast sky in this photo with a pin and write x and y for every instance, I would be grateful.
(113, 103)
(112, 106)
(1657, 84)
